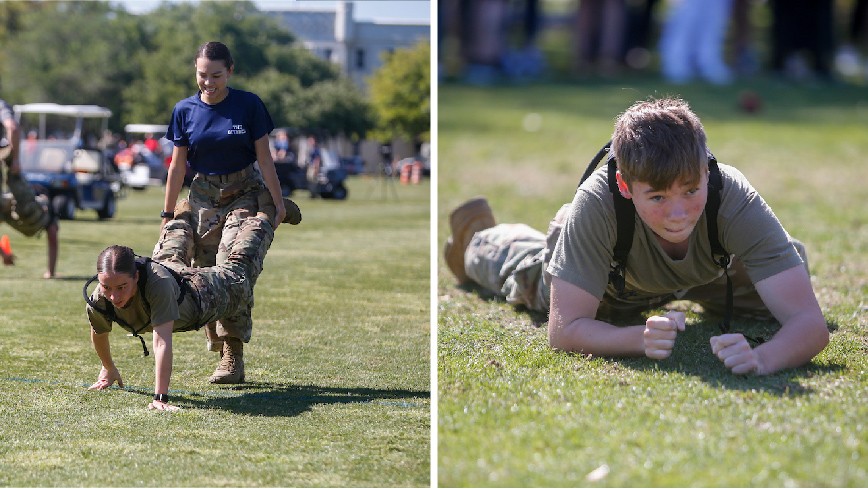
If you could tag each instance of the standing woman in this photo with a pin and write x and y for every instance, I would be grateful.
(220, 132)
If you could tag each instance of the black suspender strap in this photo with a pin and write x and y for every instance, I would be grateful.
(625, 215)
(719, 255)
(604, 151)
(141, 266)
(625, 218)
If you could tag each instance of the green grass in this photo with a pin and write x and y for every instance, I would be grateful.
(512, 412)
(338, 370)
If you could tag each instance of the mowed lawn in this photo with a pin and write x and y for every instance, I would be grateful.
(512, 412)
(338, 370)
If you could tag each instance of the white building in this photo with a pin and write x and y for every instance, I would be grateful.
(355, 46)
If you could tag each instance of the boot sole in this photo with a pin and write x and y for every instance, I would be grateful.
(293, 213)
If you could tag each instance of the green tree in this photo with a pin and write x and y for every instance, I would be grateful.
(268, 59)
(401, 94)
(331, 108)
(70, 53)
(140, 66)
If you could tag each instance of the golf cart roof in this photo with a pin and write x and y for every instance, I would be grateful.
(145, 128)
(84, 111)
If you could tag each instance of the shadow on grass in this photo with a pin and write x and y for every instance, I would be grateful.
(285, 400)
(693, 356)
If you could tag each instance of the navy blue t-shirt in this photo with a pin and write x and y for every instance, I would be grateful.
(220, 138)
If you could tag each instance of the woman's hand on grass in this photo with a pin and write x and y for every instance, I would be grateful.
(735, 353)
(660, 333)
(107, 377)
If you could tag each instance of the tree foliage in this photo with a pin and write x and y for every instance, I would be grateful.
(401, 94)
(83, 52)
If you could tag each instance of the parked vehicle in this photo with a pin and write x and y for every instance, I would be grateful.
(291, 177)
(60, 156)
(143, 162)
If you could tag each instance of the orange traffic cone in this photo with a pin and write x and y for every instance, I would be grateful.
(5, 245)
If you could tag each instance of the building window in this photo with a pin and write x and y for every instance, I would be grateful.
(327, 54)
(360, 58)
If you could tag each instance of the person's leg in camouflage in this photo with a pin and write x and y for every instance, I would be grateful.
(244, 260)
(27, 215)
(175, 246)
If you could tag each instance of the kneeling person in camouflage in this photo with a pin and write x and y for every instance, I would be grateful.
(177, 297)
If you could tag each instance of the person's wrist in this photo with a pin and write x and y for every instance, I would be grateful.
(167, 214)
(164, 398)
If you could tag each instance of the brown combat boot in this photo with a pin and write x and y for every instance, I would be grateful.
(230, 370)
(266, 207)
(293, 213)
(466, 220)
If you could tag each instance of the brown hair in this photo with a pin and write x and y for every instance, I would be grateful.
(660, 142)
(117, 259)
(216, 51)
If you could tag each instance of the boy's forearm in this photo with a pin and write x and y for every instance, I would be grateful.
(797, 342)
(594, 337)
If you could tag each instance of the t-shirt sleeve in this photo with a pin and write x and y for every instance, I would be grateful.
(751, 231)
(175, 132)
(162, 293)
(98, 322)
(262, 123)
(583, 253)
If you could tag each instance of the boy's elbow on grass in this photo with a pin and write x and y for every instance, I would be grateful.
(555, 336)
(564, 337)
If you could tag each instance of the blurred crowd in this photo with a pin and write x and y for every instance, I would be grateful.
(713, 41)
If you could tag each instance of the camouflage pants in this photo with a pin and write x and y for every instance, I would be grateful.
(510, 259)
(22, 209)
(220, 204)
(225, 290)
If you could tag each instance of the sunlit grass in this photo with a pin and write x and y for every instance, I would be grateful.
(514, 413)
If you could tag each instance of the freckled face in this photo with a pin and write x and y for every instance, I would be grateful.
(212, 76)
(671, 213)
(118, 288)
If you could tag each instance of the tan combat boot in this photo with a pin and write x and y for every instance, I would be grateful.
(466, 220)
(230, 370)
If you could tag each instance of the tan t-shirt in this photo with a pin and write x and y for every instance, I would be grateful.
(162, 293)
(748, 229)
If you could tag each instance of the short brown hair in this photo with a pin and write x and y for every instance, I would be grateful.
(660, 142)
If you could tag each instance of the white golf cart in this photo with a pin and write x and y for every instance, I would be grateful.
(60, 157)
(140, 165)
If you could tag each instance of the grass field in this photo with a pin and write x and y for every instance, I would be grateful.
(511, 412)
(338, 370)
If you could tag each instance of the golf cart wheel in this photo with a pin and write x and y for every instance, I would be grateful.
(108, 208)
(339, 192)
(63, 206)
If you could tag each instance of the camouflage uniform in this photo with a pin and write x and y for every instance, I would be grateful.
(22, 209)
(511, 259)
(225, 290)
(220, 204)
